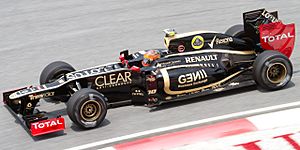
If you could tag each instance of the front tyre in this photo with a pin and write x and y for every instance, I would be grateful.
(51, 73)
(54, 71)
(272, 70)
(87, 108)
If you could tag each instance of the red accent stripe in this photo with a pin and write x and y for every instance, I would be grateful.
(190, 136)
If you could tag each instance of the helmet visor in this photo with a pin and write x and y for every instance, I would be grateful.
(146, 62)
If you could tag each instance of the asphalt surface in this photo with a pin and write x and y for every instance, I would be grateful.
(87, 33)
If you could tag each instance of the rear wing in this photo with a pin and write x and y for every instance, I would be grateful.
(265, 29)
(253, 19)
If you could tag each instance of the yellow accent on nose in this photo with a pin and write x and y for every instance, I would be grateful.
(167, 41)
(171, 33)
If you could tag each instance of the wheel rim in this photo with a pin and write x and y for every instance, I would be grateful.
(90, 110)
(276, 73)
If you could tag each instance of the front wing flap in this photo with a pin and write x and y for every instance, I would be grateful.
(34, 121)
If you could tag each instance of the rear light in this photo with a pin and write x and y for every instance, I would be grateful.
(47, 126)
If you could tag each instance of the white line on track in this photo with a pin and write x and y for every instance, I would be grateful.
(187, 124)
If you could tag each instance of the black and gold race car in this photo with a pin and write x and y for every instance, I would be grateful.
(193, 64)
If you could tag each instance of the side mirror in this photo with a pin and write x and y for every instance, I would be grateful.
(124, 54)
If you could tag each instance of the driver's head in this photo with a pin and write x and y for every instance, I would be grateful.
(149, 57)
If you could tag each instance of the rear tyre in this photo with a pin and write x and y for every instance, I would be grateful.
(236, 31)
(87, 108)
(54, 71)
(272, 70)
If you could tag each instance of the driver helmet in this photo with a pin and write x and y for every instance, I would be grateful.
(149, 57)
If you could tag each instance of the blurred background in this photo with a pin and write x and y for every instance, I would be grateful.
(86, 33)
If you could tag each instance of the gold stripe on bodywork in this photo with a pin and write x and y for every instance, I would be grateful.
(182, 66)
(186, 34)
(249, 52)
(182, 35)
(166, 78)
(167, 41)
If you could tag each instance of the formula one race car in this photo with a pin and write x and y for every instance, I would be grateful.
(194, 64)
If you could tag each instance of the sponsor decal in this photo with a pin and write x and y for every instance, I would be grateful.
(152, 91)
(153, 99)
(28, 90)
(269, 16)
(89, 123)
(209, 65)
(61, 81)
(201, 58)
(168, 98)
(138, 54)
(182, 95)
(191, 79)
(163, 64)
(137, 93)
(47, 126)
(278, 37)
(205, 51)
(40, 125)
(219, 89)
(150, 78)
(188, 94)
(211, 44)
(234, 84)
(181, 48)
(197, 42)
(113, 80)
(84, 73)
(219, 41)
(167, 82)
(224, 40)
(43, 95)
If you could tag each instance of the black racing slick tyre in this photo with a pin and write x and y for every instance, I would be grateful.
(272, 70)
(54, 71)
(87, 108)
(236, 31)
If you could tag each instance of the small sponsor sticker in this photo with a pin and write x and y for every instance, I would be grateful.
(181, 48)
